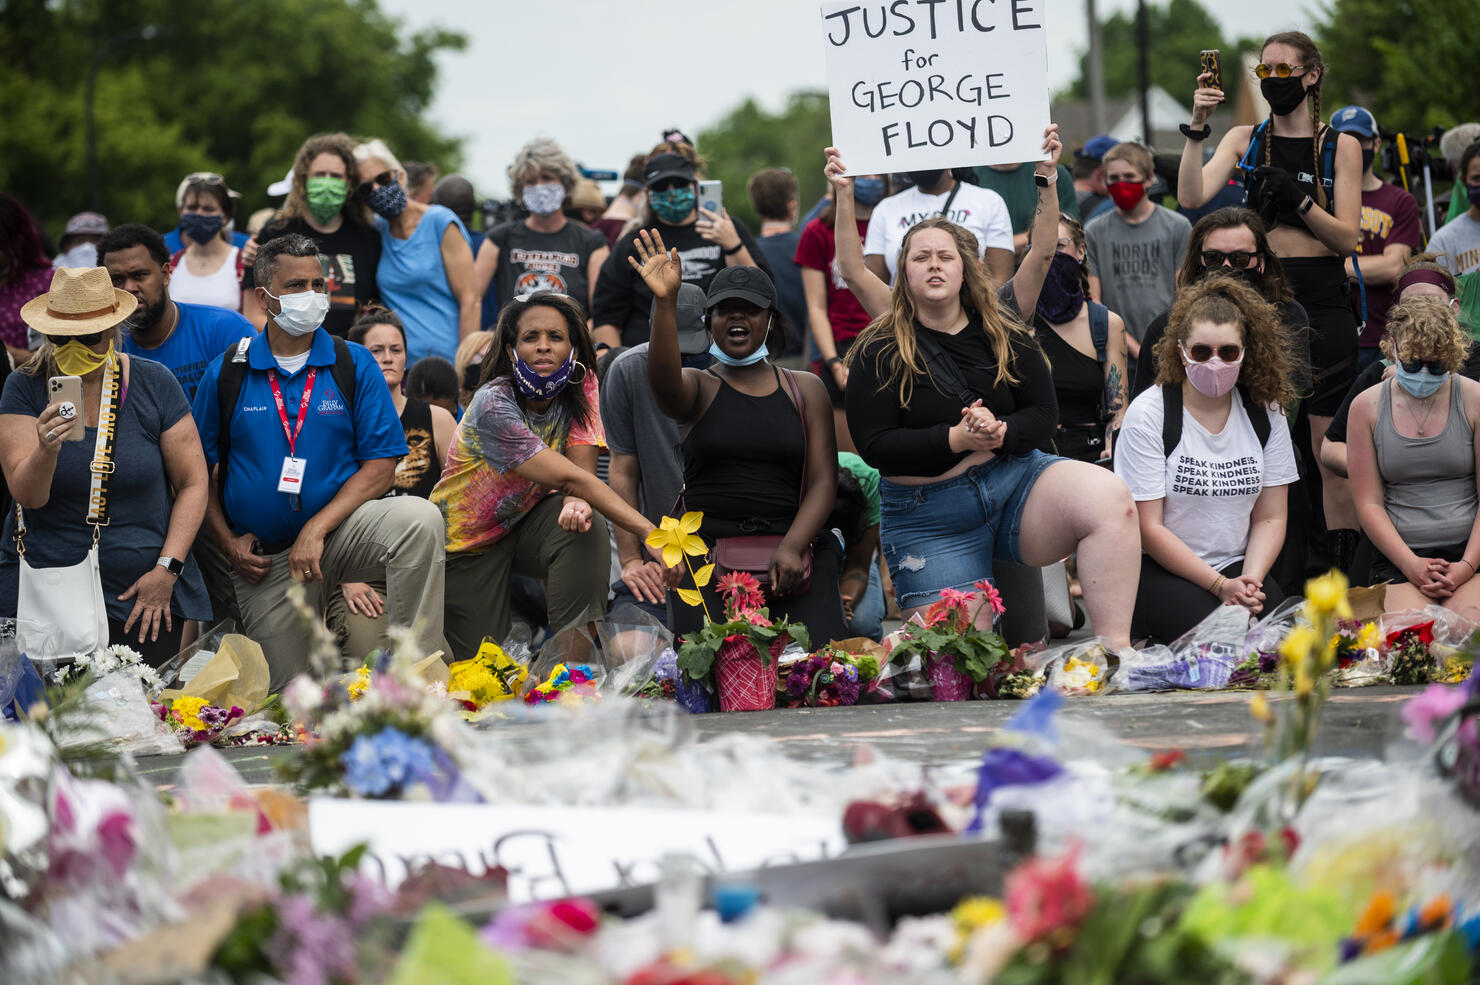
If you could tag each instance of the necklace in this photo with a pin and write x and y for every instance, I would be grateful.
(1429, 409)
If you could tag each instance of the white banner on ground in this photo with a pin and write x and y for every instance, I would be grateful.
(921, 84)
(551, 852)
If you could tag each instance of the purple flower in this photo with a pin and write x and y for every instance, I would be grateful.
(1434, 705)
(213, 716)
(666, 666)
(1268, 662)
(309, 947)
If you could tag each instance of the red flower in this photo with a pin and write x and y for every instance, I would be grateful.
(1166, 759)
(1424, 631)
(992, 596)
(1046, 894)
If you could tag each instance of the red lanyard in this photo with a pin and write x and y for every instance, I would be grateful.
(277, 395)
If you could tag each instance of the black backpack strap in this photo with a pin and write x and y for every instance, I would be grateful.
(1171, 417)
(944, 374)
(1258, 416)
(228, 392)
(1099, 328)
(344, 373)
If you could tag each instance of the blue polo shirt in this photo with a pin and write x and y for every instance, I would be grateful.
(203, 333)
(333, 441)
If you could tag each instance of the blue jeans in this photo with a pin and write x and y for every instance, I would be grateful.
(945, 535)
(868, 614)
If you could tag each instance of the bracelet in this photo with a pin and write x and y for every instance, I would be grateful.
(735, 249)
(1469, 562)
(1191, 134)
(1046, 181)
(1217, 584)
(833, 361)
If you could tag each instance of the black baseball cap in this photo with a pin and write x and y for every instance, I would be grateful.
(747, 283)
(693, 337)
(661, 166)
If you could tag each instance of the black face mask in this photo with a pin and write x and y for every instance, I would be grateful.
(697, 360)
(926, 179)
(1283, 95)
(1368, 155)
(1252, 276)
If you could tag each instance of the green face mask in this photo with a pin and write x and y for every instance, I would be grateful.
(326, 197)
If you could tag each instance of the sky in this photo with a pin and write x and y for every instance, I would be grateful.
(588, 72)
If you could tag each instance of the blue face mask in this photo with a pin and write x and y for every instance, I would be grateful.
(1421, 384)
(869, 191)
(730, 360)
(673, 205)
(201, 228)
(388, 201)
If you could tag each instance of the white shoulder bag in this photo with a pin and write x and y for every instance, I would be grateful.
(59, 611)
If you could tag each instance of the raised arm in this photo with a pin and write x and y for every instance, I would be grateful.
(1198, 182)
(675, 390)
(1027, 283)
(871, 290)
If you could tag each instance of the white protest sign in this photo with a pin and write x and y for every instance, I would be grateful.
(551, 852)
(921, 84)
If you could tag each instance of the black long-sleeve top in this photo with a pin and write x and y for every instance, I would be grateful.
(915, 440)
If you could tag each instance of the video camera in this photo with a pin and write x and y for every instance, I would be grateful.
(1422, 150)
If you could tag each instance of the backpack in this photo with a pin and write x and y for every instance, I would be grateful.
(1171, 417)
(229, 390)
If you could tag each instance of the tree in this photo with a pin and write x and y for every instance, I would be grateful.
(1176, 33)
(225, 86)
(749, 139)
(1410, 62)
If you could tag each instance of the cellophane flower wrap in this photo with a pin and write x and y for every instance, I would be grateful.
(746, 618)
(949, 630)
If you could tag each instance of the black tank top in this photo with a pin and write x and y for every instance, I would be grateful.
(742, 463)
(1294, 155)
(419, 471)
(1078, 380)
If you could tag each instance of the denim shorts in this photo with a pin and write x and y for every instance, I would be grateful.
(946, 534)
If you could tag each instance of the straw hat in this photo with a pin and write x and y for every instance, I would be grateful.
(82, 301)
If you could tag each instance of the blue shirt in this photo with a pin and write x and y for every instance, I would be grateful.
(174, 245)
(333, 443)
(413, 283)
(203, 333)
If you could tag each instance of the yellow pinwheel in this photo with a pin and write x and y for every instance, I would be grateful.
(677, 537)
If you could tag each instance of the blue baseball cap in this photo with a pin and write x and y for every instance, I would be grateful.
(1354, 120)
(1095, 147)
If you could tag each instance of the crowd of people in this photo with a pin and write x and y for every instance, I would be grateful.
(930, 379)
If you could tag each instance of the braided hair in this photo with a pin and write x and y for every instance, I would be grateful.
(1311, 56)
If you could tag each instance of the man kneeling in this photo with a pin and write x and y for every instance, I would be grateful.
(300, 430)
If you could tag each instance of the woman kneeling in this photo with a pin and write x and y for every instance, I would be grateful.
(1411, 452)
(1208, 475)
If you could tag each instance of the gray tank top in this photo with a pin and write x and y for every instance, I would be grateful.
(1428, 482)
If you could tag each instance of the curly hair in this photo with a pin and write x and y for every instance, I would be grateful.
(1426, 326)
(342, 146)
(1225, 300)
(897, 363)
(1274, 287)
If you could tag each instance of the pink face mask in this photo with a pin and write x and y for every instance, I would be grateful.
(1214, 377)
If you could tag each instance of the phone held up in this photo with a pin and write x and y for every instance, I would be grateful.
(1212, 65)
(711, 195)
(68, 390)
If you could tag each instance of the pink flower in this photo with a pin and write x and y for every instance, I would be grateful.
(739, 583)
(991, 595)
(1423, 712)
(953, 598)
(1047, 894)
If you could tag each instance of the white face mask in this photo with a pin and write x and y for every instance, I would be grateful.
(302, 312)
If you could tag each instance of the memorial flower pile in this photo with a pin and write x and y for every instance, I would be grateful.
(564, 684)
(196, 720)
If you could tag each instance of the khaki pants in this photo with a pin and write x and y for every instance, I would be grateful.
(400, 542)
(574, 568)
(358, 635)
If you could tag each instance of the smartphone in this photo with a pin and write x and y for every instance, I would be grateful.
(1212, 64)
(69, 389)
(711, 195)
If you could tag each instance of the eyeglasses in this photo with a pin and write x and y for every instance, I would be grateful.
(379, 181)
(1434, 366)
(1201, 352)
(1283, 71)
(1237, 258)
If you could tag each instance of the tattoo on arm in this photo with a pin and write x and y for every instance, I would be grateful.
(1114, 389)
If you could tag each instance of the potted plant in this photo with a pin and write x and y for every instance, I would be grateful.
(955, 652)
(741, 651)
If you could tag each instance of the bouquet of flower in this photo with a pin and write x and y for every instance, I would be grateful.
(747, 618)
(101, 663)
(195, 720)
(565, 684)
(948, 633)
(492, 675)
(828, 678)
(1408, 648)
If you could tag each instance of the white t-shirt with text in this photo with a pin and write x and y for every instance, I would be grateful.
(1210, 481)
(978, 209)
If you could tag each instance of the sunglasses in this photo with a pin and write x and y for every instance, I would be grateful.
(205, 178)
(1282, 71)
(1201, 352)
(1237, 258)
(379, 181)
(87, 340)
(1435, 366)
(669, 184)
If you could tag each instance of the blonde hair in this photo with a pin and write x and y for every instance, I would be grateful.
(468, 349)
(1134, 154)
(542, 154)
(897, 362)
(376, 148)
(1426, 324)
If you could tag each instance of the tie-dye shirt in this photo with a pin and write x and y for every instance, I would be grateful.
(480, 495)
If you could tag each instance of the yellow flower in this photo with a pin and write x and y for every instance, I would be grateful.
(1297, 646)
(1370, 637)
(1328, 594)
(359, 685)
(978, 911)
(677, 537)
(187, 710)
(1259, 708)
(1303, 682)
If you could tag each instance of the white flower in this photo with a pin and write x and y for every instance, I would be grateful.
(302, 697)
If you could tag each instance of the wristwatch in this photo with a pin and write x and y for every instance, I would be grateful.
(1191, 134)
(171, 565)
(1041, 180)
(834, 361)
(1305, 206)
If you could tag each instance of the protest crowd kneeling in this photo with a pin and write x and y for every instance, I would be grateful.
(1117, 419)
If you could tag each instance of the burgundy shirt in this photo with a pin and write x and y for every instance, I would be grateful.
(1389, 215)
